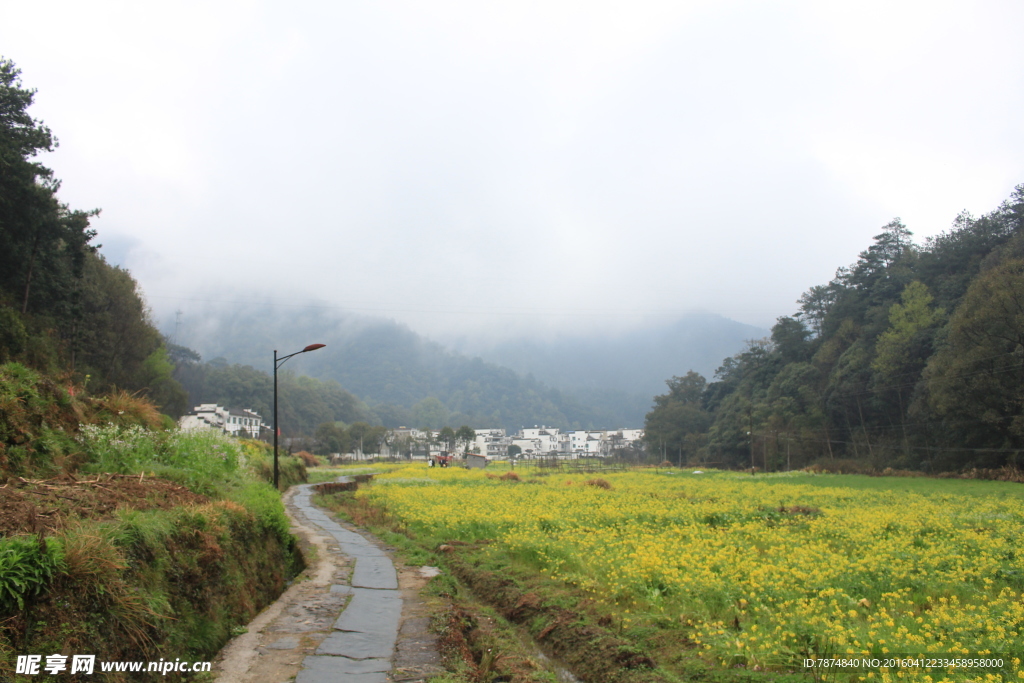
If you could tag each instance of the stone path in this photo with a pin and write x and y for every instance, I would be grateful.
(352, 618)
(359, 650)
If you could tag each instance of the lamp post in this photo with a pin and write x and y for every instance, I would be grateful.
(278, 362)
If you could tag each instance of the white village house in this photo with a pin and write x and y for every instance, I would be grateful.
(244, 423)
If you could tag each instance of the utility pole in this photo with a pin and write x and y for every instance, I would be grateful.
(750, 417)
(177, 324)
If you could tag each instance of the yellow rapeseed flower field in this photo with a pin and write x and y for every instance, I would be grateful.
(761, 572)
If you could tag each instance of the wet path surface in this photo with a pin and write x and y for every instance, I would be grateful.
(352, 617)
(361, 646)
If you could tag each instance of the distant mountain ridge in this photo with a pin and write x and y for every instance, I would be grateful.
(637, 362)
(572, 383)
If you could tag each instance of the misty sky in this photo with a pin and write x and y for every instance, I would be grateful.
(518, 167)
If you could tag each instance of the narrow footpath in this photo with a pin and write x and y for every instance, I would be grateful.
(354, 619)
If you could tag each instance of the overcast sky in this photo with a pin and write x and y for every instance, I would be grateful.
(518, 167)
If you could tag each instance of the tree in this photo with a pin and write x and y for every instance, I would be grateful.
(890, 246)
(430, 413)
(687, 389)
(161, 387)
(42, 242)
(466, 435)
(815, 305)
(447, 437)
(975, 382)
(367, 438)
(789, 336)
(114, 337)
(907, 320)
(677, 415)
(332, 437)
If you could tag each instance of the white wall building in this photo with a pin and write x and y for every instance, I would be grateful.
(529, 448)
(619, 439)
(244, 423)
(545, 439)
(586, 443)
(492, 443)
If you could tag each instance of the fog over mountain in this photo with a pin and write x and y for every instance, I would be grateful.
(569, 382)
(512, 167)
(637, 361)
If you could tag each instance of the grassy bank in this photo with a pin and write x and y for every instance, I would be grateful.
(133, 542)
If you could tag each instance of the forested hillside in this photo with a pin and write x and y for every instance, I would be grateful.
(63, 309)
(912, 357)
(582, 383)
(403, 378)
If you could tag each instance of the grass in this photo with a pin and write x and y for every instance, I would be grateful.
(154, 583)
(917, 485)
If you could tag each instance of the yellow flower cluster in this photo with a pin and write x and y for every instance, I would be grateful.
(764, 571)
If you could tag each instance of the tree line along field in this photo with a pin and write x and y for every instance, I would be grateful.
(749, 573)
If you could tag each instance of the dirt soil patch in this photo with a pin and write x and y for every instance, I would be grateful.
(32, 506)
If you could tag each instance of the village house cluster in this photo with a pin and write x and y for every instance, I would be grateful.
(418, 444)
(535, 442)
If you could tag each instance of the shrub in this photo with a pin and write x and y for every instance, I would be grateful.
(307, 458)
(291, 471)
(38, 418)
(122, 408)
(27, 564)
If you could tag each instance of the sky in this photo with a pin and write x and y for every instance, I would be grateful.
(517, 168)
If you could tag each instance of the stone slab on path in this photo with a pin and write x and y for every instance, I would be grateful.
(373, 612)
(375, 572)
(319, 669)
(357, 645)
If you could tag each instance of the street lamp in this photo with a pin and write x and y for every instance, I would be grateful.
(278, 362)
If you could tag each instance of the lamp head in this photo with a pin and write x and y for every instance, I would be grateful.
(313, 347)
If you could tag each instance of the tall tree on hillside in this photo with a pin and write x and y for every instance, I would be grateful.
(975, 383)
(42, 242)
(908, 319)
(115, 336)
(815, 305)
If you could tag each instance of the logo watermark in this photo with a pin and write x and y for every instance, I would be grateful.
(38, 665)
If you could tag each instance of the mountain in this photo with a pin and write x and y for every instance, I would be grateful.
(626, 370)
(574, 383)
(399, 374)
